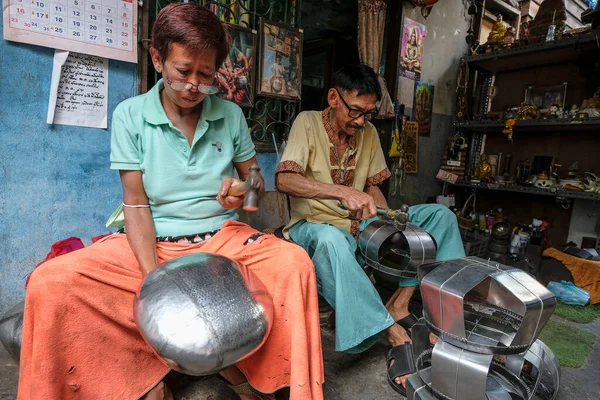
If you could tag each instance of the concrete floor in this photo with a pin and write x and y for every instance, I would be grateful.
(347, 376)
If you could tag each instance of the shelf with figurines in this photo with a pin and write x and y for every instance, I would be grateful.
(540, 43)
(574, 185)
(527, 117)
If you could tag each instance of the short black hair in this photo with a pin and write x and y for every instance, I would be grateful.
(358, 77)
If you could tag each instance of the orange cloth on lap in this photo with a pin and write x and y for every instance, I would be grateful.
(80, 340)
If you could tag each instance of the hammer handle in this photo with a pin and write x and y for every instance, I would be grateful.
(237, 190)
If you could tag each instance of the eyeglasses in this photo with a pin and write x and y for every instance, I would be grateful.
(355, 113)
(179, 86)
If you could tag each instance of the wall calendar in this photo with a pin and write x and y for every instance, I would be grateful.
(105, 28)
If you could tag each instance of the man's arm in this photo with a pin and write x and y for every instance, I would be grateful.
(377, 195)
(296, 185)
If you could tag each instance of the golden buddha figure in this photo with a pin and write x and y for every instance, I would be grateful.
(498, 32)
(484, 169)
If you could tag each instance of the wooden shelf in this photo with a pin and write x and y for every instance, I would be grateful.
(538, 54)
(529, 190)
(500, 6)
(533, 125)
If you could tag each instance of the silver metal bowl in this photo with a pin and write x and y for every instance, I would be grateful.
(201, 315)
(11, 330)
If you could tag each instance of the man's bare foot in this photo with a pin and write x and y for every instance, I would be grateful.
(159, 392)
(397, 336)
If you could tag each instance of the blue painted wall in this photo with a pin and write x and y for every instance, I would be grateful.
(55, 181)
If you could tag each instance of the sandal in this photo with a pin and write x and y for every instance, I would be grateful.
(247, 390)
(407, 322)
(404, 364)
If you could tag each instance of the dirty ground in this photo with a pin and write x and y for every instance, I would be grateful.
(347, 376)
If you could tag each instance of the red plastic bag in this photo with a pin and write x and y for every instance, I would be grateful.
(58, 249)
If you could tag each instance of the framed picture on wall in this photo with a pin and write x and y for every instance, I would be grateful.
(235, 78)
(280, 61)
(423, 107)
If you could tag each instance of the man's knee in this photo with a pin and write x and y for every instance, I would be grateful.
(444, 215)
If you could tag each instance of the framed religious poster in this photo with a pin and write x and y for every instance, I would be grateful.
(423, 107)
(411, 52)
(280, 61)
(411, 147)
(235, 77)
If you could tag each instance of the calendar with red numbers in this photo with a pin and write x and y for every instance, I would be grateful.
(105, 28)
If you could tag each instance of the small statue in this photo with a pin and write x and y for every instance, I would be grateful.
(591, 183)
(574, 111)
(591, 107)
(510, 37)
(527, 111)
(555, 173)
(498, 32)
(542, 180)
(523, 172)
(573, 169)
(556, 111)
(484, 169)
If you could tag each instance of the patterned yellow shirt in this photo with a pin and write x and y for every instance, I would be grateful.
(310, 152)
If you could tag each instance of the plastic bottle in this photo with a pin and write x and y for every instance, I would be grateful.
(499, 216)
(482, 223)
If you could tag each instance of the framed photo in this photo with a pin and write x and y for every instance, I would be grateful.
(280, 61)
(235, 78)
(545, 97)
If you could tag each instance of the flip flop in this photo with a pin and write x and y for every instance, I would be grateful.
(404, 364)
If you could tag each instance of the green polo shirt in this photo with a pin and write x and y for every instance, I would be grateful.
(181, 181)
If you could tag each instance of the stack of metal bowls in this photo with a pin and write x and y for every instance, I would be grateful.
(487, 318)
(499, 243)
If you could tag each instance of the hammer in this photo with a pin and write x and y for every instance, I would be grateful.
(399, 218)
(249, 188)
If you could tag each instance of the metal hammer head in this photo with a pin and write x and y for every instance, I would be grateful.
(399, 218)
(252, 189)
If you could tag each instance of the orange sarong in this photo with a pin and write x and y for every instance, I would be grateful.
(80, 340)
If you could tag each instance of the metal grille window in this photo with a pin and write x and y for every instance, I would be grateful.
(269, 119)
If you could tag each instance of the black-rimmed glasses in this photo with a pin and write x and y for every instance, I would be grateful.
(355, 113)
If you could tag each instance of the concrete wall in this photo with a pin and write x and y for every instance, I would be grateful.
(444, 46)
(584, 218)
(54, 180)
(529, 9)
